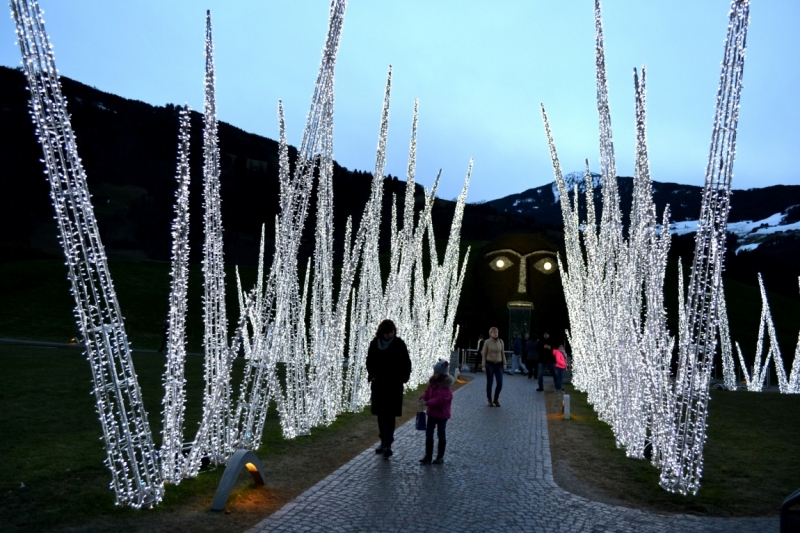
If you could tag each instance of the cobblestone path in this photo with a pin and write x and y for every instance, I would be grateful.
(497, 463)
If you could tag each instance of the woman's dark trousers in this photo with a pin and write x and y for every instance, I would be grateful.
(552, 368)
(532, 364)
(494, 370)
(386, 425)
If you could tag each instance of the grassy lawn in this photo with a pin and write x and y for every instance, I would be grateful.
(50, 439)
(50, 436)
(750, 456)
(37, 304)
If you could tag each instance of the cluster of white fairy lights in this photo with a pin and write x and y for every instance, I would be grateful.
(299, 350)
(683, 453)
(755, 379)
(172, 460)
(614, 287)
(130, 453)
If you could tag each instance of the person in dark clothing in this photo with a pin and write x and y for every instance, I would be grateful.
(532, 355)
(388, 368)
(478, 354)
(546, 359)
(518, 349)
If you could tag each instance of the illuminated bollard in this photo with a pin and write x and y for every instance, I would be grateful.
(565, 406)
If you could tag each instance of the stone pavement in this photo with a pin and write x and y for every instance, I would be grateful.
(496, 466)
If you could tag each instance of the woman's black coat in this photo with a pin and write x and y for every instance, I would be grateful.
(387, 371)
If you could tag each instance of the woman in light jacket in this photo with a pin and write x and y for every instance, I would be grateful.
(494, 363)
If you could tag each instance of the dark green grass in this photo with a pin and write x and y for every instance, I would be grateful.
(744, 313)
(37, 304)
(750, 457)
(50, 435)
(50, 439)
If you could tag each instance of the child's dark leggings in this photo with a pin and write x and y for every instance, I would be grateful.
(438, 423)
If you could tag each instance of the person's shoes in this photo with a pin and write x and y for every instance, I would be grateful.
(490, 402)
(428, 453)
(540, 389)
(530, 377)
(380, 449)
(496, 402)
(440, 453)
(387, 452)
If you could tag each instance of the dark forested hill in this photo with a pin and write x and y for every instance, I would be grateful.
(129, 151)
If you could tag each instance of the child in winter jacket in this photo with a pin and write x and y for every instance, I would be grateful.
(561, 365)
(437, 398)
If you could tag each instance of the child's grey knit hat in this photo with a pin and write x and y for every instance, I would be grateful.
(442, 367)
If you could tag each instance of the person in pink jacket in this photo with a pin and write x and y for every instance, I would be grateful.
(437, 398)
(561, 365)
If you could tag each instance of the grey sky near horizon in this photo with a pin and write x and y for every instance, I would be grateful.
(479, 69)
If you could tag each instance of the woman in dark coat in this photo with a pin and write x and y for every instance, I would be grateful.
(388, 368)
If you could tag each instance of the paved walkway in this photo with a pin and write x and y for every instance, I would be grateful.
(497, 463)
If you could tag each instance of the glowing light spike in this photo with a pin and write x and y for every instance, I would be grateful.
(130, 454)
(756, 379)
(683, 462)
(213, 439)
(172, 459)
(279, 331)
(728, 365)
(774, 347)
(613, 288)
(608, 167)
(794, 376)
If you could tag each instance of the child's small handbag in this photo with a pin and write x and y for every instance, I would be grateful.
(422, 421)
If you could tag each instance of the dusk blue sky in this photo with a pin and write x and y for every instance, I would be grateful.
(480, 70)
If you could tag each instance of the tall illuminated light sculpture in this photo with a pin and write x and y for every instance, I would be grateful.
(614, 286)
(214, 437)
(288, 343)
(755, 379)
(794, 375)
(726, 347)
(423, 308)
(130, 453)
(174, 382)
(683, 462)
(366, 304)
(279, 325)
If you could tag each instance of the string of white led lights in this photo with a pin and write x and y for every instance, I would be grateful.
(279, 335)
(683, 455)
(213, 438)
(293, 359)
(794, 375)
(614, 288)
(756, 378)
(614, 291)
(174, 402)
(728, 364)
(130, 453)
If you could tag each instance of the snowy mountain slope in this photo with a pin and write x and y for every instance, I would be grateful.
(542, 203)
